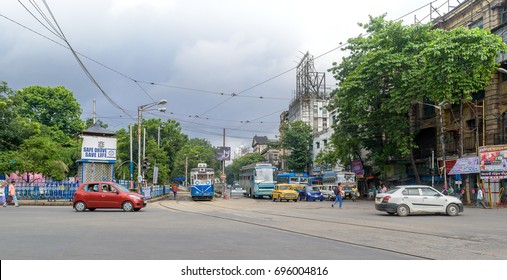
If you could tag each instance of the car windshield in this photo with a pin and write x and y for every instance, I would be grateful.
(263, 175)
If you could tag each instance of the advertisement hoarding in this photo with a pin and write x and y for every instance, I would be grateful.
(493, 162)
(223, 153)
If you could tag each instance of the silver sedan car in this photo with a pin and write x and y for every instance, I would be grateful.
(412, 199)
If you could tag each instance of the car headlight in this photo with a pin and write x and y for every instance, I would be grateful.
(135, 197)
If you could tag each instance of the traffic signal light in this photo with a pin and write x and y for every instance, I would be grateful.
(145, 164)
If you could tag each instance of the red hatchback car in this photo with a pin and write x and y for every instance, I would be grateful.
(95, 195)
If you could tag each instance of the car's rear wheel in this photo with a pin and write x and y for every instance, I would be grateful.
(127, 206)
(452, 210)
(80, 206)
(402, 210)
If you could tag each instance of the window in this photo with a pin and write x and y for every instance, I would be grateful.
(324, 122)
(428, 191)
(410, 191)
(325, 142)
(477, 24)
(503, 14)
(317, 144)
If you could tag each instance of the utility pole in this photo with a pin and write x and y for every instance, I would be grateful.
(131, 162)
(442, 142)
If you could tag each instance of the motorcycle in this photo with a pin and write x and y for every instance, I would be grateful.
(354, 195)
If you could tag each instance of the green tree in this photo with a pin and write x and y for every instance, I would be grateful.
(296, 137)
(54, 107)
(38, 154)
(89, 123)
(195, 151)
(162, 156)
(14, 129)
(29, 145)
(390, 69)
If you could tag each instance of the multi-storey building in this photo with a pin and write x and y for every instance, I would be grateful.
(479, 122)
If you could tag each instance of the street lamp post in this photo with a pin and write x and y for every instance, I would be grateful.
(140, 111)
(186, 170)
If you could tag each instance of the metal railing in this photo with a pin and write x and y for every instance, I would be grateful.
(50, 190)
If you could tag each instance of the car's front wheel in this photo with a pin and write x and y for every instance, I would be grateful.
(80, 206)
(127, 206)
(402, 210)
(452, 210)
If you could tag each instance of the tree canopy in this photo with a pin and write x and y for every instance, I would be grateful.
(392, 68)
(296, 137)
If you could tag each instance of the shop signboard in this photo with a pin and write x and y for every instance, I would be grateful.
(467, 165)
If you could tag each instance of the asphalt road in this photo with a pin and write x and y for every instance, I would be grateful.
(248, 229)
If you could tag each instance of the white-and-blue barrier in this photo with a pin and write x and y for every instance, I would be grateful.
(65, 190)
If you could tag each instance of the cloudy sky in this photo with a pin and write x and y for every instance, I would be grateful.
(196, 54)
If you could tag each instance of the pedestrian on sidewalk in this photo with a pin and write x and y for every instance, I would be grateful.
(175, 190)
(480, 196)
(12, 193)
(2, 191)
(382, 187)
(339, 193)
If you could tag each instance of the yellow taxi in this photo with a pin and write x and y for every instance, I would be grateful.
(285, 192)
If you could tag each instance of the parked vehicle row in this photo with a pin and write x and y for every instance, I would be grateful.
(295, 192)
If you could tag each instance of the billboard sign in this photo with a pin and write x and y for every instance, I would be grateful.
(493, 162)
(223, 153)
(98, 148)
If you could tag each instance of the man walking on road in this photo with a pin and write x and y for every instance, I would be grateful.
(339, 192)
(479, 198)
(175, 190)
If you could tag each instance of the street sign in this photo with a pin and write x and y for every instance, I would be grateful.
(155, 175)
(223, 176)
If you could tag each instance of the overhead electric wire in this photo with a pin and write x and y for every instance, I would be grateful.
(62, 36)
(59, 33)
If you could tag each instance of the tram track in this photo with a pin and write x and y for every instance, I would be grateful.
(352, 224)
(291, 231)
